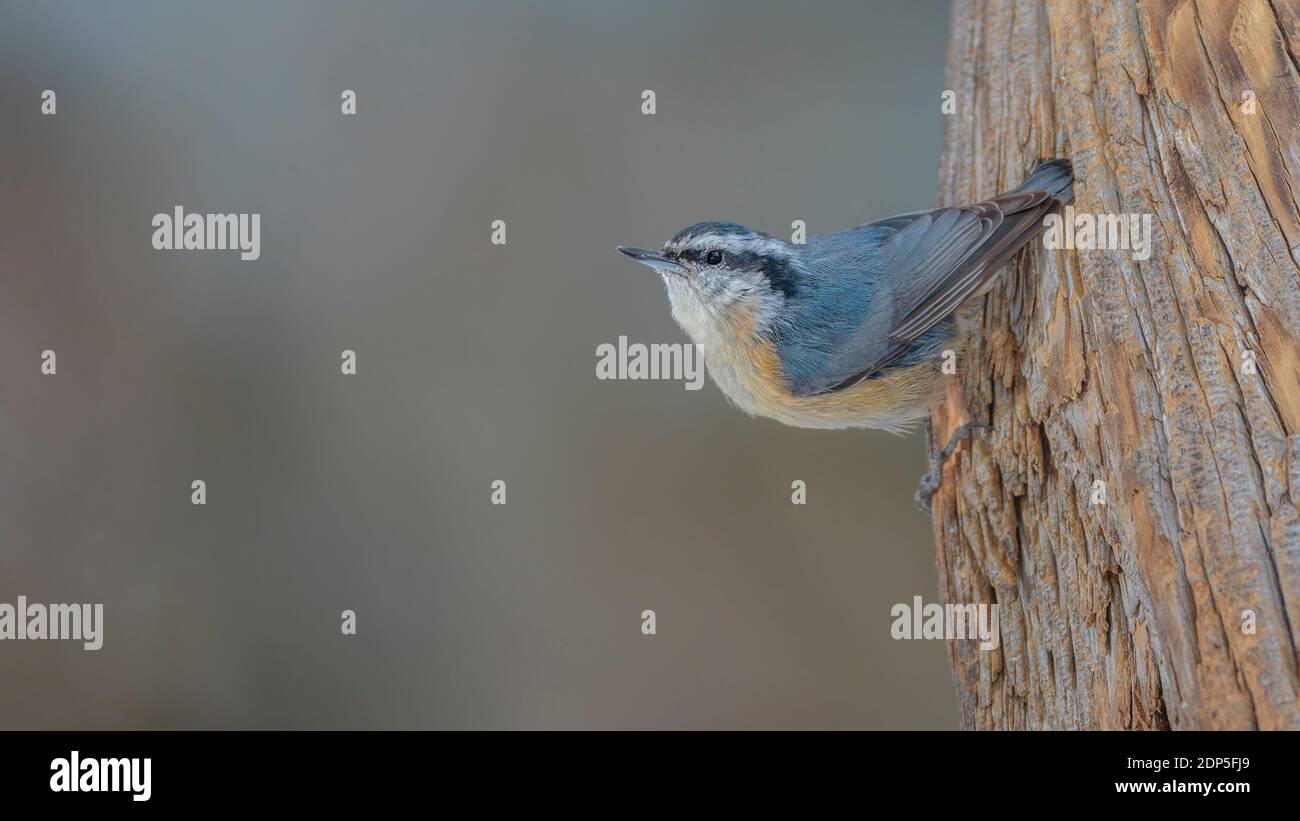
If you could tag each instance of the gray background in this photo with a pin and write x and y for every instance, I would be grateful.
(476, 363)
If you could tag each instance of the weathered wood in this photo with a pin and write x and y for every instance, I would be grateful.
(1093, 366)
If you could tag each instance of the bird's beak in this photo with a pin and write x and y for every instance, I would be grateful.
(654, 259)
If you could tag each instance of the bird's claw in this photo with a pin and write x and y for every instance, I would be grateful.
(930, 481)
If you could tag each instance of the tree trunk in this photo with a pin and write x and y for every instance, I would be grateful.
(1134, 505)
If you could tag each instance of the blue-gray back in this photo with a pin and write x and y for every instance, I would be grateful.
(882, 295)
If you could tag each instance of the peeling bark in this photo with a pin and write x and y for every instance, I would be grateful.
(1095, 367)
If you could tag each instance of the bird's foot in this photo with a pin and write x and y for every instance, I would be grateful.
(930, 481)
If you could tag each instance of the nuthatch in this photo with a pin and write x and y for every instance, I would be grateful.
(847, 329)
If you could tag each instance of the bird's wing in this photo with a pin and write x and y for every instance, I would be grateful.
(944, 267)
(933, 261)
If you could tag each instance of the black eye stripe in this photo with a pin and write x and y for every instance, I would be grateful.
(699, 255)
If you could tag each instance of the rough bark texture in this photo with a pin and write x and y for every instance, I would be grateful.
(1092, 366)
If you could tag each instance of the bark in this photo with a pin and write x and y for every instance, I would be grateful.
(1093, 367)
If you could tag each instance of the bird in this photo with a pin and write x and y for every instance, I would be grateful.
(847, 330)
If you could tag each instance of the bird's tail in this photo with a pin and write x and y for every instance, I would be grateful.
(1056, 177)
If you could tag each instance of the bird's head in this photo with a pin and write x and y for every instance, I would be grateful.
(723, 273)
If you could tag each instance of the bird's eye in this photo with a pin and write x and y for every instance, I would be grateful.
(714, 258)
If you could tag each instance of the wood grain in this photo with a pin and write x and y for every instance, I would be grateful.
(1094, 366)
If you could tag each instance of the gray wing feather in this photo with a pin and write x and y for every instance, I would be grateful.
(935, 260)
(1007, 223)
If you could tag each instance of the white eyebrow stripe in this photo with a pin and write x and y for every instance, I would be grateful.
(766, 246)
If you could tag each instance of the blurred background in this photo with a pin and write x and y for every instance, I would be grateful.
(475, 363)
